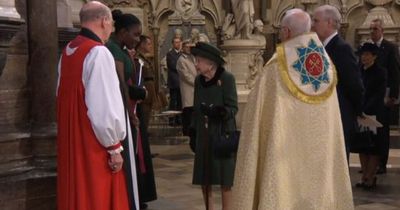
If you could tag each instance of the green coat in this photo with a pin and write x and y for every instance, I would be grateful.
(219, 91)
(120, 55)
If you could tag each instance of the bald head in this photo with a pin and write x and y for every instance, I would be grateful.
(294, 23)
(92, 11)
(96, 17)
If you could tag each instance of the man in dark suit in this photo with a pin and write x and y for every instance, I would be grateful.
(388, 57)
(326, 23)
(175, 102)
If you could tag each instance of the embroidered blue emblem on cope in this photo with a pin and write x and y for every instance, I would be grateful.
(312, 65)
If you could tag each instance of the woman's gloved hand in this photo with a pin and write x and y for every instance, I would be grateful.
(213, 111)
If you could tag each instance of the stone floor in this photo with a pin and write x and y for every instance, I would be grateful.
(173, 169)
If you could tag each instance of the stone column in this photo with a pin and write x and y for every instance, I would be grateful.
(43, 60)
(42, 68)
(15, 154)
(7, 9)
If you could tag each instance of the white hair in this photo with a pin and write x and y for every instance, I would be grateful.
(330, 13)
(297, 20)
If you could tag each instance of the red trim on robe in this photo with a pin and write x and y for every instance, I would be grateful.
(114, 147)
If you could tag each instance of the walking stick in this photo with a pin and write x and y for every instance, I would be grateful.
(207, 170)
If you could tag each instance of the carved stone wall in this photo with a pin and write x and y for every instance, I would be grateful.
(27, 105)
(354, 13)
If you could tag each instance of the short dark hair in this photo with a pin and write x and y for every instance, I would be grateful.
(123, 20)
(93, 13)
(142, 39)
(176, 37)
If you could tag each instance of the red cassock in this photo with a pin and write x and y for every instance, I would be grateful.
(85, 180)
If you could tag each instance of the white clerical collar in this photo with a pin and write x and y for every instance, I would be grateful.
(327, 40)
(379, 42)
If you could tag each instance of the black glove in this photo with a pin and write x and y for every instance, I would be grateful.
(205, 109)
(137, 93)
(213, 111)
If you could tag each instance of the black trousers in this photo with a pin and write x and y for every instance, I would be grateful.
(387, 118)
(175, 103)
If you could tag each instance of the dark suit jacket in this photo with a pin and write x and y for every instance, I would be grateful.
(173, 76)
(349, 88)
(388, 58)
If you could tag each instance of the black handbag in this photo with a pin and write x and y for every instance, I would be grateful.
(362, 141)
(227, 142)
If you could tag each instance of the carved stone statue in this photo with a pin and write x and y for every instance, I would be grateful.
(258, 32)
(243, 11)
(186, 5)
(255, 67)
(228, 28)
(178, 33)
(379, 2)
(196, 36)
(186, 11)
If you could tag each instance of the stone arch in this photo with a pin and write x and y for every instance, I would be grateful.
(280, 12)
(357, 15)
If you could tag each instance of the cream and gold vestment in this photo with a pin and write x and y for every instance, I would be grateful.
(291, 154)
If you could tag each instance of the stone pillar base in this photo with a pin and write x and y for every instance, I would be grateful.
(241, 59)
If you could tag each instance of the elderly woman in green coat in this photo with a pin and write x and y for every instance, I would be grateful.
(215, 107)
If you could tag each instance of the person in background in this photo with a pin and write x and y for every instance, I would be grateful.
(215, 99)
(187, 74)
(121, 44)
(388, 58)
(143, 48)
(326, 23)
(291, 152)
(175, 102)
(147, 185)
(91, 120)
(374, 79)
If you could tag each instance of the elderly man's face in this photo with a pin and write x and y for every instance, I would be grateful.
(320, 25)
(376, 31)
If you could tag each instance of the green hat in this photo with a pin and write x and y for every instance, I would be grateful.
(208, 51)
